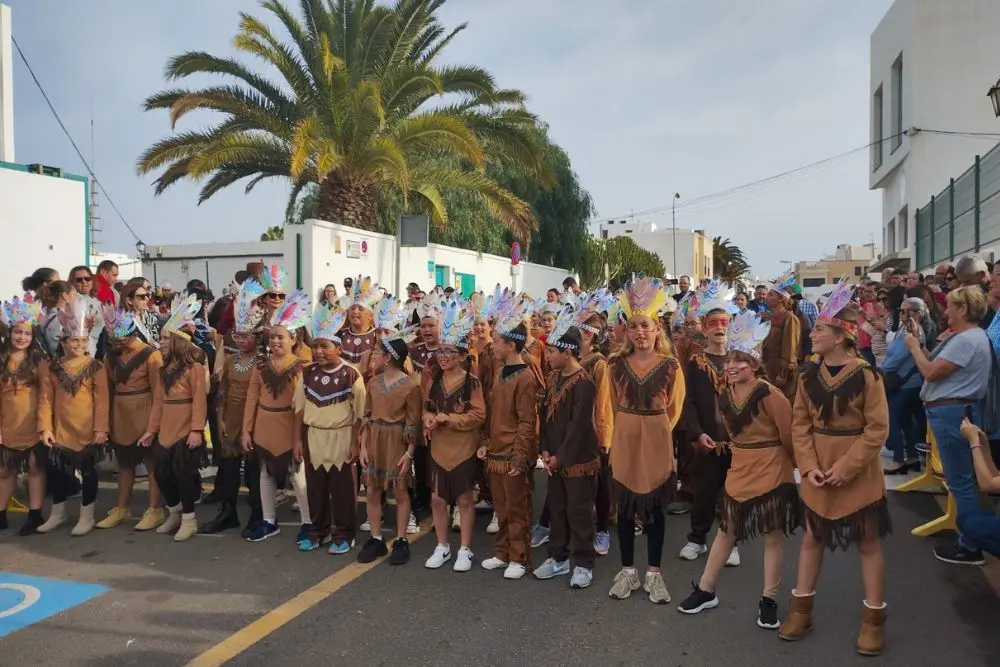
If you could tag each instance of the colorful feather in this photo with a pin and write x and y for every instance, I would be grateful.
(785, 284)
(118, 322)
(713, 297)
(274, 279)
(390, 314)
(644, 296)
(327, 322)
(565, 320)
(22, 311)
(511, 310)
(746, 333)
(684, 308)
(477, 301)
(456, 322)
(183, 312)
(430, 305)
(838, 299)
(246, 309)
(365, 293)
(77, 319)
(294, 313)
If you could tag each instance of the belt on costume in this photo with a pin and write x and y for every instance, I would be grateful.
(642, 413)
(766, 444)
(329, 428)
(137, 392)
(838, 431)
(270, 409)
(177, 401)
(949, 401)
(382, 422)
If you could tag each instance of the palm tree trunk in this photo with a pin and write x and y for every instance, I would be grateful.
(347, 203)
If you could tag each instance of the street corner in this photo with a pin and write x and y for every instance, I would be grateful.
(26, 600)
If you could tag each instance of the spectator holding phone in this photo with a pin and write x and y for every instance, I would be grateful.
(981, 525)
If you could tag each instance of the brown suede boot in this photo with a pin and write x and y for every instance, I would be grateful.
(799, 621)
(871, 639)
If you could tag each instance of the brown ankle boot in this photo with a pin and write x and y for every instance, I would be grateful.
(800, 619)
(871, 639)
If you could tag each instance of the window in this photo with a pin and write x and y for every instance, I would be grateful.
(859, 270)
(890, 237)
(897, 103)
(877, 129)
(813, 282)
(903, 227)
(604, 234)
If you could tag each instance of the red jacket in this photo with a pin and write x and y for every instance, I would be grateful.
(104, 293)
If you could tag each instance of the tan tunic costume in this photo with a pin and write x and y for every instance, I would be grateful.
(132, 373)
(760, 495)
(20, 419)
(180, 410)
(74, 407)
(780, 352)
(268, 417)
(453, 466)
(840, 422)
(234, 385)
(392, 419)
(648, 402)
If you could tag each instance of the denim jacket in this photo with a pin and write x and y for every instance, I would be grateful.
(898, 360)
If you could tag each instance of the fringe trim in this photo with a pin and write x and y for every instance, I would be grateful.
(68, 460)
(640, 392)
(503, 465)
(590, 362)
(558, 391)
(232, 450)
(275, 380)
(179, 459)
(738, 417)
(777, 510)
(129, 456)
(24, 375)
(870, 521)
(588, 469)
(646, 507)
(277, 466)
(708, 368)
(17, 459)
(122, 371)
(169, 376)
(848, 385)
(450, 484)
(71, 384)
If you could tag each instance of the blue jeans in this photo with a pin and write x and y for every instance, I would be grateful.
(904, 409)
(983, 528)
(956, 459)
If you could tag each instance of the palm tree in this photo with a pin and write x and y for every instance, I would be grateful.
(728, 262)
(362, 106)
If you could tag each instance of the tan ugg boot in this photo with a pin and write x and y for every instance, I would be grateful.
(188, 529)
(800, 618)
(871, 639)
(151, 518)
(57, 517)
(172, 523)
(85, 523)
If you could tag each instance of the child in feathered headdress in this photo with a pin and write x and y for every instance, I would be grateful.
(358, 335)
(780, 353)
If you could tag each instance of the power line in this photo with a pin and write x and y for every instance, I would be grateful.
(72, 142)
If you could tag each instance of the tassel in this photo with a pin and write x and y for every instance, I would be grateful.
(776, 510)
(870, 521)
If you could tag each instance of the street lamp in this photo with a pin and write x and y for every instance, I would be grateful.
(140, 248)
(994, 95)
(673, 237)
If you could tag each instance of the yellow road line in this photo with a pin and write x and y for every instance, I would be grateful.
(273, 620)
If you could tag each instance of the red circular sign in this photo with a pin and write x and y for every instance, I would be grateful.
(364, 247)
(515, 253)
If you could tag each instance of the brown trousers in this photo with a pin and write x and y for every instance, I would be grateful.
(333, 502)
(571, 528)
(512, 502)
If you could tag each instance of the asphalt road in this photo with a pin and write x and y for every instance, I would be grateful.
(169, 603)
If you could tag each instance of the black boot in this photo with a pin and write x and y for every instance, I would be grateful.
(214, 496)
(30, 526)
(3, 519)
(224, 520)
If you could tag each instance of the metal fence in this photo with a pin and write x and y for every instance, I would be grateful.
(964, 217)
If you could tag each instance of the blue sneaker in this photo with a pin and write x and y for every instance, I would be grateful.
(306, 544)
(304, 531)
(602, 543)
(338, 547)
(539, 536)
(581, 577)
(551, 568)
(263, 531)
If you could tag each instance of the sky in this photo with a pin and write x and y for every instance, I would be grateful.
(648, 98)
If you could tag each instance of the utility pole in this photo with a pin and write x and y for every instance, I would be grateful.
(95, 218)
(673, 220)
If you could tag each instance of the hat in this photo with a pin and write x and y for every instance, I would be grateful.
(118, 322)
(746, 334)
(293, 313)
(590, 304)
(430, 306)
(327, 323)
(77, 319)
(274, 279)
(365, 293)
(22, 311)
(183, 312)
(712, 298)
(508, 310)
(390, 314)
(457, 319)
(785, 285)
(644, 296)
(564, 334)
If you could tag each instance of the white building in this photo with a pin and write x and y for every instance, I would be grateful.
(694, 248)
(214, 263)
(932, 62)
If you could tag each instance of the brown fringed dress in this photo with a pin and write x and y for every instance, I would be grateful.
(780, 352)
(760, 495)
(181, 409)
(20, 420)
(268, 416)
(840, 421)
(648, 402)
(74, 407)
(453, 467)
(132, 372)
(234, 386)
(391, 420)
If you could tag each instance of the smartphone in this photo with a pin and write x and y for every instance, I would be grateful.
(968, 412)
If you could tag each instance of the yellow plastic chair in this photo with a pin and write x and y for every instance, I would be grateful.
(16, 506)
(933, 476)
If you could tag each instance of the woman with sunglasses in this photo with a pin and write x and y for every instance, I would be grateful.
(136, 299)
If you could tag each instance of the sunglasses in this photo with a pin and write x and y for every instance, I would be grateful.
(82, 279)
(141, 297)
(274, 295)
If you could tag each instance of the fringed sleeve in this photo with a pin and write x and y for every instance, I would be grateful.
(198, 377)
(806, 458)
(253, 396)
(414, 412)
(46, 401)
(779, 409)
(604, 414)
(475, 414)
(526, 408)
(790, 341)
(102, 400)
(675, 399)
(868, 445)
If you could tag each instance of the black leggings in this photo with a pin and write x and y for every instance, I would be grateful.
(62, 483)
(654, 530)
(230, 469)
(183, 488)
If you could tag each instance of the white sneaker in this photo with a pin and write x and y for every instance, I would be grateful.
(734, 558)
(366, 526)
(493, 563)
(463, 562)
(411, 528)
(691, 551)
(456, 520)
(514, 571)
(494, 526)
(441, 555)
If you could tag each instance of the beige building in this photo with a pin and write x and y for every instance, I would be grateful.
(848, 260)
(694, 247)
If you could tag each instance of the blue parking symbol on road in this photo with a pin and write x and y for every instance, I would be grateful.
(27, 600)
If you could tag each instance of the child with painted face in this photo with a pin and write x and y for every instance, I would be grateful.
(454, 411)
(73, 417)
(23, 374)
(329, 406)
(760, 497)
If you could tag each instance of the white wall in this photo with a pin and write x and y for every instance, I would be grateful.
(43, 221)
(215, 263)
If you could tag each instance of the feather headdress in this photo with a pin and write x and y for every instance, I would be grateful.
(456, 322)
(564, 322)
(685, 307)
(545, 307)
(746, 334)
(294, 313)
(118, 322)
(430, 306)
(593, 303)
(838, 299)
(78, 319)
(22, 311)
(616, 311)
(644, 296)
(390, 314)
(274, 279)
(713, 297)
(478, 302)
(510, 311)
(183, 312)
(496, 301)
(327, 322)
(365, 293)
(247, 312)
(786, 285)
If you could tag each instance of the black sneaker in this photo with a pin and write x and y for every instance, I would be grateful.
(400, 552)
(3, 520)
(30, 526)
(958, 555)
(698, 601)
(372, 551)
(767, 614)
